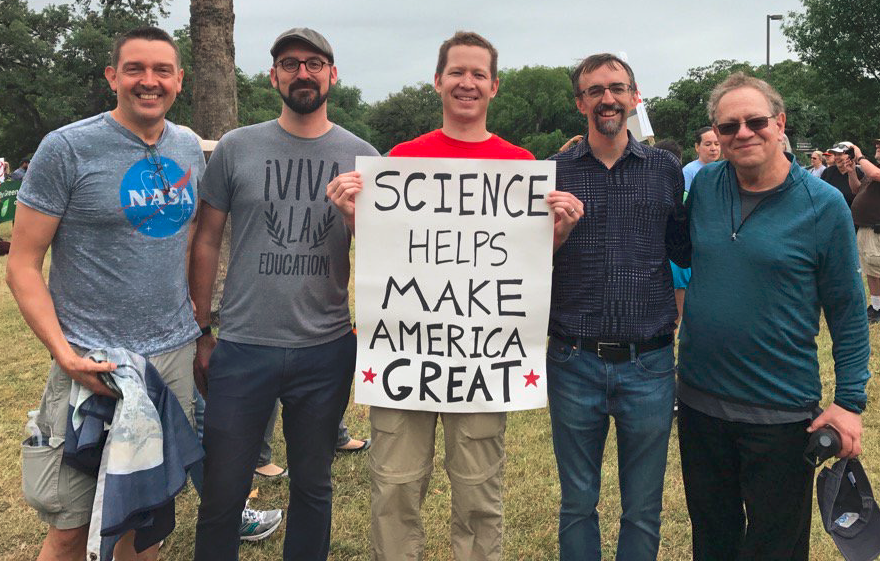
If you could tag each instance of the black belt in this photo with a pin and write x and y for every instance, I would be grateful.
(615, 352)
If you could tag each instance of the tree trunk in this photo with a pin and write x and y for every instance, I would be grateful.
(215, 98)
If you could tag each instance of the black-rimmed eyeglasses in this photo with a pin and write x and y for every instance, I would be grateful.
(313, 65)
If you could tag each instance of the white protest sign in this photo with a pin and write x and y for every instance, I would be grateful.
(637, 121)
(452, 281)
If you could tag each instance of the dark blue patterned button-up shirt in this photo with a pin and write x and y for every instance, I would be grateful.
(611, 278)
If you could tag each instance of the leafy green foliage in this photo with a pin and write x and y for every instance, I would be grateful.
(818, 112)
(840, 39)
(52, 64)
(52, 73)
(535, 109)
(404, 115)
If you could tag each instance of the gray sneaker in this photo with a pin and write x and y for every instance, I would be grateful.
(258, 524)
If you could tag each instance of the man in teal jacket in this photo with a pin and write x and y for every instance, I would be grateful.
(773, 247)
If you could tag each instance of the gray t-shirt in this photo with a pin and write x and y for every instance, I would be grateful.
(118, 276)
(287, 282)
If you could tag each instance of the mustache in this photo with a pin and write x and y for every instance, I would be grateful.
(301, 83)
(602, 107)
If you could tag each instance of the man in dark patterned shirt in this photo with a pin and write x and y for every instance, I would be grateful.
(612, 316)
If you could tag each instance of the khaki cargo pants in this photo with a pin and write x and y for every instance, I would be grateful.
(401, 460)
(62, 495)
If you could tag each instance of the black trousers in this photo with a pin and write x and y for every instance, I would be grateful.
(747, 486)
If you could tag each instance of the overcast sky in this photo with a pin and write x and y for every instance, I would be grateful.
(382, 45)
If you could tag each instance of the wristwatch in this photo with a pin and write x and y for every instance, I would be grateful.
(205, 330)
(860, 158)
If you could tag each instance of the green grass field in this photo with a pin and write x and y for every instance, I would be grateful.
(531, 500)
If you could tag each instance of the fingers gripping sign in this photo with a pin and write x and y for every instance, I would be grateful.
(342, 192)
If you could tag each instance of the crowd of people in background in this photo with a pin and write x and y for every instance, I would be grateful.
(761, 244)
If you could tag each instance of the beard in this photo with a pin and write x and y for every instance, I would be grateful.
(612, 126)
(303, 104)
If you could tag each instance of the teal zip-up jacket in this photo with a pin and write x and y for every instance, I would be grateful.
(752, 309)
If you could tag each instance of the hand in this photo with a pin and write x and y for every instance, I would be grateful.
(342, 192)
(847, 424)
(204, 347)
(567, 210)
(858, 152)
(85, 372)
(571, 141)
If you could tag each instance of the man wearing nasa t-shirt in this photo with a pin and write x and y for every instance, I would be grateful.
(402, 453)
(113, 194)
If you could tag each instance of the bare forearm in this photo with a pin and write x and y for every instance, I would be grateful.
(35, 302)
(202, 274)
(870, 170)
(855, 184)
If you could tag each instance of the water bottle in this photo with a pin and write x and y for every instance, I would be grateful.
(34, 434)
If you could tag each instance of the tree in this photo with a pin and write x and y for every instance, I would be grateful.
(535, 108)
(52, 64)
(214, 84)
(683, 110)
(813, 116)
(411, 112)
(840, 39)
(346, 108)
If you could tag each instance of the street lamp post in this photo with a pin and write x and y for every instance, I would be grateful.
(769, 17)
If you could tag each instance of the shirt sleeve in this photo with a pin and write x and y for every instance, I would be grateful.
(678, 236)
(50, 178)
(842, 296)
(215, 188)
(689, 174)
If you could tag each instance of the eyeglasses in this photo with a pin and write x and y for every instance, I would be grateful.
(617, 89)
(313, 65)
(154, 158)
(754, 124)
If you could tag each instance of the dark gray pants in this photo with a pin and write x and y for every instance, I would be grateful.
(313, 385)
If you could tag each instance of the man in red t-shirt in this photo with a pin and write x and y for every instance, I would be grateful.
(402, 454)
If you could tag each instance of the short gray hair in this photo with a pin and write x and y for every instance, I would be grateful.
(739, 80)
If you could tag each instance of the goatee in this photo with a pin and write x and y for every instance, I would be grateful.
(609, 127)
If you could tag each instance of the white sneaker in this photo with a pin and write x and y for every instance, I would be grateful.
(258, 524)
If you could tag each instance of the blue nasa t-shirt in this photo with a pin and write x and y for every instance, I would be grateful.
(117, 275)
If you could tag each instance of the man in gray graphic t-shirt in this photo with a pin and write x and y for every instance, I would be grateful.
(113, 195)
(285, 326)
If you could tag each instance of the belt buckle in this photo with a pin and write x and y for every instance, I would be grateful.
(600, 344)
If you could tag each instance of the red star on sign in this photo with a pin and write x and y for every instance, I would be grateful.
(531, 379)
(369, 375)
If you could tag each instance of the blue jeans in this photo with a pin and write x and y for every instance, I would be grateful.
(584, 392)
(244, 381)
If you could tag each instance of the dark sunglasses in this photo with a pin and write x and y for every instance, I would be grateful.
(753, 124)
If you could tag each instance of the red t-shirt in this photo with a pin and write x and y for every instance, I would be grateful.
(435, 144)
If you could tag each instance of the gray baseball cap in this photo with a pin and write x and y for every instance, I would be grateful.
(849, 512)
(305, 35)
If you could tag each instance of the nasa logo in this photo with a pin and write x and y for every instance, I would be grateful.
(157, 202)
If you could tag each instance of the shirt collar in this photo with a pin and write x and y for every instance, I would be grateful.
(633, 146)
